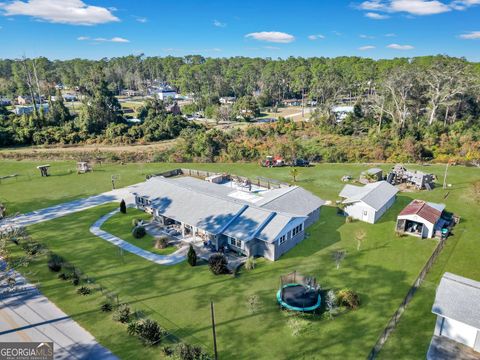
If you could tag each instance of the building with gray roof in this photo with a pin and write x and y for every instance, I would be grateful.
(263, 223)
(457, 329)
(368, 203)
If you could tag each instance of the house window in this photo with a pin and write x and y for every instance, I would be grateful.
(282, 239)
(235, 242)
(297, 229)
(365, 212)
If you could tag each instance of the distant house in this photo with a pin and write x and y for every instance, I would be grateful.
(371, 175)
(228, 100)
(421, 218)
(368, 203)
(28, 109)
(457, 329)
(164, 92)
(130, 92)
(5, 102)
(341, 112)
(292, 102)
(69, 97)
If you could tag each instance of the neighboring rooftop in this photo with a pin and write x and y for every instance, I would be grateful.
(458, 298)
(426, 210)
(374, 195)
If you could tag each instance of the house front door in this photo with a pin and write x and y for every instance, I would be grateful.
(365, 215)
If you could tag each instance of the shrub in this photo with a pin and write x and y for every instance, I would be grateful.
(250, 263)
(349, 219)
(191, 352)
(139, 232)
(75, 279)
(348, 298)
(55, 262)
(122, 313)
(192, 256)
(218, 264)
(84, 290)
(162, 242)
(148, 331)
(135, 222)
(123, 207)
(31, 247)
(106, 307)
(63, 276)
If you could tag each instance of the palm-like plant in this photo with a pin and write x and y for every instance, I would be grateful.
(294, 173)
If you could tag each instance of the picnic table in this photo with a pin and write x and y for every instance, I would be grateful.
(43, 169)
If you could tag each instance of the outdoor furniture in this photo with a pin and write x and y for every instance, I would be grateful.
(83, 167)
(43, 169)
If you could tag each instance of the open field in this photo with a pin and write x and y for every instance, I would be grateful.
(178, 296)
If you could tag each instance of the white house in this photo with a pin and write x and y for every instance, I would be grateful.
(421, 218)
(368, 203)
(342, 111)
(457, 329)
(165, 92)
(28, 109)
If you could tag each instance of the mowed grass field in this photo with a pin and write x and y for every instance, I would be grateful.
(178, 296)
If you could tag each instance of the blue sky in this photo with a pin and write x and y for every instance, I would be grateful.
(64, 29)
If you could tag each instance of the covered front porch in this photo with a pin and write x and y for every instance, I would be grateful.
(410, 227)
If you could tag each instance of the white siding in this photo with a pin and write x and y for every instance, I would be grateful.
(459, 332)
(361, 211)
(427, 226)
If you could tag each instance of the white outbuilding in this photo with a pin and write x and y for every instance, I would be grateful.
(457, 329)
(421, 218)
(368, 203)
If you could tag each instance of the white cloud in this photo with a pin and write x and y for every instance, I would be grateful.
(366, 47)
(218, 23)
(141, 19)
(363, 36)
(316, 37)
(376, 16)
(115, 39)
(377, 9)
(271, 47)
(74, 12)
(419, 7)
(473, 35)
(390, 35)
(272, 36)
(400, 47)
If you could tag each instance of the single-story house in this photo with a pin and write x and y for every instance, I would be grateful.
(421, 218)
(457, 329)
(371, 175)
(264, 223)
(227, 100)
(342, 111)
(5, 101)
(368, 203)
(28, 109)
(292, 102)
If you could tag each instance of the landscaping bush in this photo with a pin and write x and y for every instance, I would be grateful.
(162, 242)
(348, 298)
(218, 264)
(63, 276)
(139, 232)
(250, 263)
(106, 307)
(84, 290)
(192, 256)
(349, 219)
(147, 330)
(123, 207)
(122, 313)
(55, 262)
(190, 352)
(135, 222)
(31, 247)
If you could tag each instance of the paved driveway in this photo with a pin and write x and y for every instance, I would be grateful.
(26, 315)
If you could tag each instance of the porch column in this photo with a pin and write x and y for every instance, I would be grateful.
(183, 230)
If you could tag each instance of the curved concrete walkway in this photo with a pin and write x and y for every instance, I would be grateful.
(172, 259)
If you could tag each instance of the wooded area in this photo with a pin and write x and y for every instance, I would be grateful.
(404, 109)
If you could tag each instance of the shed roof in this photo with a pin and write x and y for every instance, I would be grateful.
(430, 212)
(457, 298)
(375, 195)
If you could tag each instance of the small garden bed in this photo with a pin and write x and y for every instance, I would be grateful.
(121, 225)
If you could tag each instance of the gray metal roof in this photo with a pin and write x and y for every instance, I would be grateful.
(209, 207)
(458, 298)
(375, 195)
(293, 200)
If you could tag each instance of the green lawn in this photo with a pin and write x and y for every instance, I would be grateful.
(178, 296)
(121, 225)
